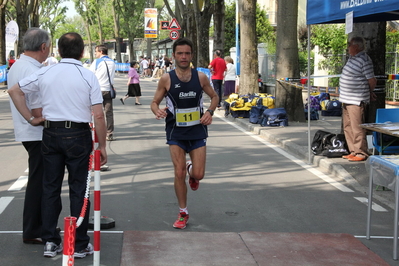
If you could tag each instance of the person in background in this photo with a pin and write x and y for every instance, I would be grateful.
(183, 90)
(67, 137)
(36, 46)
(104, 69)
(217, 67)
(133, 84)
(167, 64)
(51, 60)
(11, 61)
(157, 65)
(229, 76)
(357, 83)
(145, 65)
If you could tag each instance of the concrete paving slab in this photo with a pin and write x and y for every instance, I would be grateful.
(174, 248)
(285, 249)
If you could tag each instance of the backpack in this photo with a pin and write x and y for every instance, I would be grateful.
(331, 108)
(255, 113)
(314, 114)
(275, 117)
(314, 103)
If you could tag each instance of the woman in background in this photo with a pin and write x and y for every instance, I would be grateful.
(133, 84)
(229, 76)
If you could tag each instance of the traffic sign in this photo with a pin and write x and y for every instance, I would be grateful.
(164, 25)
(174, 25)
(174, 34)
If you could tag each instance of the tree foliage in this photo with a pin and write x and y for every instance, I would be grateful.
(52, 15)
(331, 39)
(265, 33)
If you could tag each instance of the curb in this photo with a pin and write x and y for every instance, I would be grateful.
(326, 164)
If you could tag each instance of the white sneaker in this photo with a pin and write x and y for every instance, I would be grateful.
(51, 249)
(104, 167)
(87, 251)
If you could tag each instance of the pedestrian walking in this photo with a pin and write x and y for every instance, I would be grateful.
(133, 84)
(104, 68)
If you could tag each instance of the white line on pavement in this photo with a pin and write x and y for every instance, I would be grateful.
(19, 184)
(102, 232)
(290, 157)
(4, 201)
(374, 206)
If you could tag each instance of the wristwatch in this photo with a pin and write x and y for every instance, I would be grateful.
(30, 119)
(210, 111)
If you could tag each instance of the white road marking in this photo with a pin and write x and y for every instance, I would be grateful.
(90, 232)
(290, 157)
(374, 206)
(19, 184)
(4, 201)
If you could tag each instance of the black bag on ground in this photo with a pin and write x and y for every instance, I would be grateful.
(255, 113)
(317, 145)
(335, 146)
(329, 144)
(275, 117)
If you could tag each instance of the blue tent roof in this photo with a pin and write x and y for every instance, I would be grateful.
(334, 11)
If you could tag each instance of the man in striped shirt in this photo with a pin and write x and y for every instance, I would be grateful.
(357, 83)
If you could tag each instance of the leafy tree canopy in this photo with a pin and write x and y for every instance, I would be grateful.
(265, 32)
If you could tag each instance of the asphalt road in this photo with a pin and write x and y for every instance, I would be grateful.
(250, 185)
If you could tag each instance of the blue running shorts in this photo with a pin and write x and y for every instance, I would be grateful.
(188, 145)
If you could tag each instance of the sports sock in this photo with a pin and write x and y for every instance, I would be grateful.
(189, 169)
(184, 210)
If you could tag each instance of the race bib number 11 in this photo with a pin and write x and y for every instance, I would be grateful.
(187, 117)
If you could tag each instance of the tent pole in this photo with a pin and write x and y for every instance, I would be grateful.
(309, 86)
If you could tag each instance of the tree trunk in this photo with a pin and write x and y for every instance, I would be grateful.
(202, 21)
(86, 22)
(24, 8)
(249, 51)
(375, 35)
(117, 35)
(100, 28)
(287, 60)
(218, 22)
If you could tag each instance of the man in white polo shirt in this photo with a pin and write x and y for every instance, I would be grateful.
(36, 46)
(68, 104)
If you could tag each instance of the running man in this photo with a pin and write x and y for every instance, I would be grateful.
(186, 121)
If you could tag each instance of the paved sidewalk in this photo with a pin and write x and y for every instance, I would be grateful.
(294, 139)
(161, 248)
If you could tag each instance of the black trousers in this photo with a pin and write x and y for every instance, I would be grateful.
(217, 86)
(32, 214)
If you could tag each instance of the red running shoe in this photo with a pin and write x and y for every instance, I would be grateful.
(182, 221)
(194, 184)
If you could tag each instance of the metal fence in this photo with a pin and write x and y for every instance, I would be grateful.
(267, 68)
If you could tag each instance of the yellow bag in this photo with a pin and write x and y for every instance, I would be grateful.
(234, 96)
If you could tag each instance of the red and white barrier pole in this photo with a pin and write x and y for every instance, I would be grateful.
(97, 208)
(69, 241)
